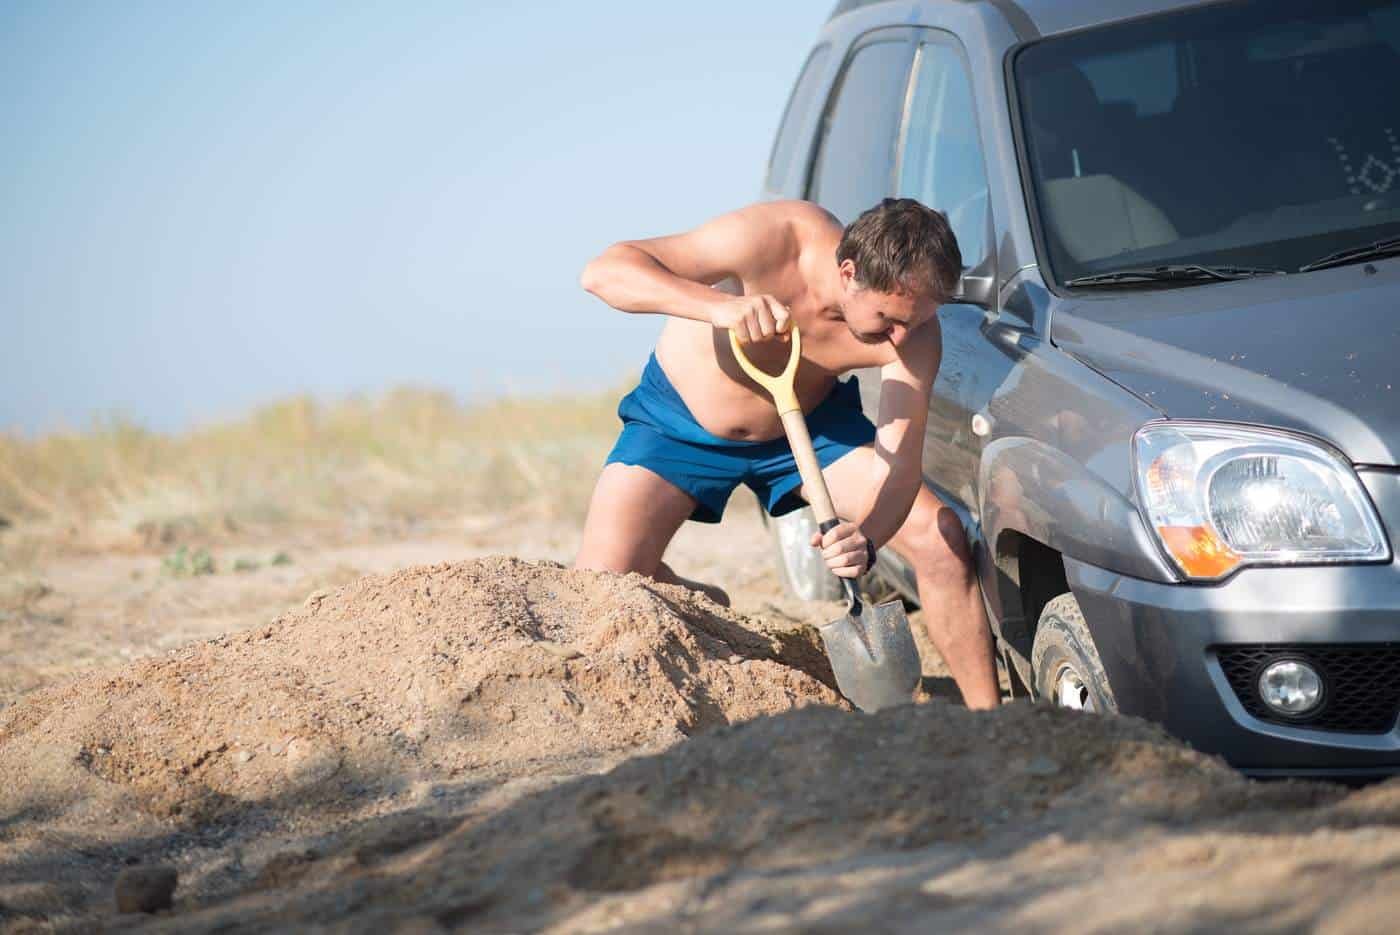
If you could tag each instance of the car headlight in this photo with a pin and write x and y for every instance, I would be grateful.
(1220, 497)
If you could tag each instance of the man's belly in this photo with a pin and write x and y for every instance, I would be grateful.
(700, 365)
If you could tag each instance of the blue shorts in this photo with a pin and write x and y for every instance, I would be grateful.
(660, 434)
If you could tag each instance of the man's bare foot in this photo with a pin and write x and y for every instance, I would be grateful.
(665, 574)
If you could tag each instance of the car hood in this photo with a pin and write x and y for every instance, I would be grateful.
(1317, 352)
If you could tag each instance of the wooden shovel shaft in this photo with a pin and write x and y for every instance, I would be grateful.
(807, 465)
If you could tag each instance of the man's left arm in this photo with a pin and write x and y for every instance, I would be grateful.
(897, 468)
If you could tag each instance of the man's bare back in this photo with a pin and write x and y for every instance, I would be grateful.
(792, 261)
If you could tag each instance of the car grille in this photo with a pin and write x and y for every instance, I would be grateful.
(1361, 682)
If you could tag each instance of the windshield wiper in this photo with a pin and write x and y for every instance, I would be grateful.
(1186, 272)
(1371, 251)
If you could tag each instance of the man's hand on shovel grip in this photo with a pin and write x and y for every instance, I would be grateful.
(753, 318)
(845, 550)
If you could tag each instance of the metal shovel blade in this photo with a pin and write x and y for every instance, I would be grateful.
(873, 655)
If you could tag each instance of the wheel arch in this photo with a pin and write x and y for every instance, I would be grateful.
(1029, 487)
(1027, 574)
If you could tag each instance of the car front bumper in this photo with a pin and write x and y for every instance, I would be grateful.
(1159, 645)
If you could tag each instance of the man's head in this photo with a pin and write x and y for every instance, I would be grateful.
(898, 262)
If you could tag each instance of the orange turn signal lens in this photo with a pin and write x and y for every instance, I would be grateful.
(1199, 552)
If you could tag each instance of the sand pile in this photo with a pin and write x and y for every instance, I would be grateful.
(426, 751)
(765, 802)
(495, 666)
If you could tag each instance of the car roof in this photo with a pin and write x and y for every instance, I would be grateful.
(1044, 17)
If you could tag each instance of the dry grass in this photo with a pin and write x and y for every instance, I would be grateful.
(361, 465)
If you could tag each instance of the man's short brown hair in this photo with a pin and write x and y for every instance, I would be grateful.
(901, 245)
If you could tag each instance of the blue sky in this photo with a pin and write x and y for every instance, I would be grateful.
(206, 206)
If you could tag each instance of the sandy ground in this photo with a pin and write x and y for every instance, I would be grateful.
(412, 736)
(79, 612)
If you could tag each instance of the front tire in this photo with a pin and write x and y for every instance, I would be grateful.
(1065, 663)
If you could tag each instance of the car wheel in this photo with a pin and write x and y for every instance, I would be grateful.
(1064, 662)
(800, 566)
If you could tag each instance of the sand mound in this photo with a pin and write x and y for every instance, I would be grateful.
(511, 687)
(497, 665)
(767, 800)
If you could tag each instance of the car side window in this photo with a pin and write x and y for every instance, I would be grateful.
(941, 161)
(804, 95)
(855, 156)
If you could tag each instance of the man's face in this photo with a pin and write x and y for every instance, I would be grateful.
(878, 317)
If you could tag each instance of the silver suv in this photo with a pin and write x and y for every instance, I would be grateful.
(1169, 405)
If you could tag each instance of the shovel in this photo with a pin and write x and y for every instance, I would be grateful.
(871, 650)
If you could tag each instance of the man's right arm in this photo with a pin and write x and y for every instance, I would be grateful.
(674, 275)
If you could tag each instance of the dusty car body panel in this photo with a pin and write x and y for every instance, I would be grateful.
(1383, 484)
(1313, 353)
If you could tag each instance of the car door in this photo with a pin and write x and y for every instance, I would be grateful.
(940, 162)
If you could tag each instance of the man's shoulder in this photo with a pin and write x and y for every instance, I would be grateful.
(802, 216)
(807, 212)
(778, 233)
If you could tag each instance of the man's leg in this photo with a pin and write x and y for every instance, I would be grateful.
(632, 517)
(933, 542)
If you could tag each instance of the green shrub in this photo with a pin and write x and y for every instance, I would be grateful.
(184, 563)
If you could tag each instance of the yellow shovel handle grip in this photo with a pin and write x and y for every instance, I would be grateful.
(780, 387)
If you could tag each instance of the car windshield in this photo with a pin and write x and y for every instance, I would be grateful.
(1262, 133)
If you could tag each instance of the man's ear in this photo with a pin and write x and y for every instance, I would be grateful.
(847, 269)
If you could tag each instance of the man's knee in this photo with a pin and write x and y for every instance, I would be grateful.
(617, 550)
(933, 540)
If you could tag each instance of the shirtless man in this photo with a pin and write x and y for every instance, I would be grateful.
(697, 426)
